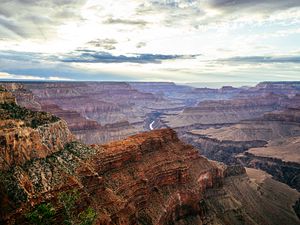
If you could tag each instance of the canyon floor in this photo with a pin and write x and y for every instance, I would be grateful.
(150, 153)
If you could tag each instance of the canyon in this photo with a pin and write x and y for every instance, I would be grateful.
(95, 139)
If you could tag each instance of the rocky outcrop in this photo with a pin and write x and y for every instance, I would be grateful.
(143, 177)
(6, 97)
(20, 144)
(270, 144)
(285, 88)
(26, 135)
(288, 115)
(75, 121)
(249, 197)
(220, 150)
(149, 178)
(286, 172)
(23, 96)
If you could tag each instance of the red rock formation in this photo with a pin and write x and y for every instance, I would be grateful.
(148, 172)
(149, 178)
(18, 144)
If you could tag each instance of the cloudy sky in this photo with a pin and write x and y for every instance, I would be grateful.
(152, 40)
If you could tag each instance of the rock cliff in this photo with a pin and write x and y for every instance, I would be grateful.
(26, 135)
(270, 143)
(226, 111)
(148, 178)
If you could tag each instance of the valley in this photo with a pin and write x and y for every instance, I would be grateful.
(134, 151)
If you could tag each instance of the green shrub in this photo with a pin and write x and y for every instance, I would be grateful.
(87, 217)
(31, 118)
(68, 201)
(42, 214)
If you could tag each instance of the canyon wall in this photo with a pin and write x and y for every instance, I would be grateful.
(149, 178)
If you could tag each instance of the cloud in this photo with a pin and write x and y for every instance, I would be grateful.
(263, 59)
(140, 23)
(91, 56)
(141, 44)
(123, 38)
(9, 76)
(107, 44)
(36, 18)
(261, 5)
(60, 78)
(196, 13)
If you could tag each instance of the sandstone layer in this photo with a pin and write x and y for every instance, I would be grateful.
(149, 178)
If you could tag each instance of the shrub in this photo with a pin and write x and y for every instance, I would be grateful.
(68, 201)
(42, 214)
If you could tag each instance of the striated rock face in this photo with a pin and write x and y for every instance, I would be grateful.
(286, 88)
(226, 111)
(286, 172)
(18, 144)
(288, 115)
(26, 135)
(74, 119)
(149, 178)
(248, 198)
(271, 144)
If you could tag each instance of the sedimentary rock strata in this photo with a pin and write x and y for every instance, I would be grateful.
(225, 111)
(270, 143)
(149, 178)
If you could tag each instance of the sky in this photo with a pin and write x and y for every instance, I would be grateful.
(184, 41)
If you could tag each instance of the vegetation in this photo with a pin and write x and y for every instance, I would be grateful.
(80, 150)
(68, 200)
(87, 217)
(9, 183)
(31, 118)
(42, 214)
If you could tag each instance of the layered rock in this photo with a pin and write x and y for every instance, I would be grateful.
(26, 135)
(23, 96)
(149, 178)
(270, 143)
(96, 112)
(248, 199)
(226, 111)
(143, 176)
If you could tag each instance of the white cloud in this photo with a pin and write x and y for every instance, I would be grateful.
(214, 28)
(9, 76)
(59, 79)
